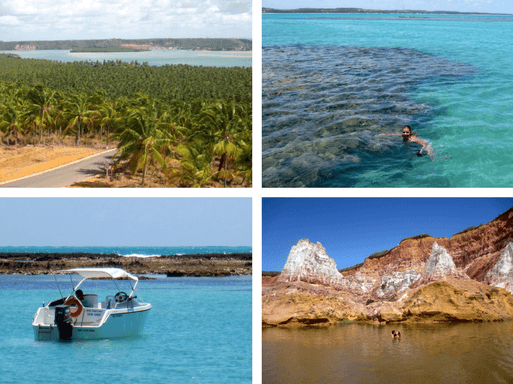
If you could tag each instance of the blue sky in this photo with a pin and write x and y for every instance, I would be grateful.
(486, 6)
(351, 229)
(125, 19)
(125, 222)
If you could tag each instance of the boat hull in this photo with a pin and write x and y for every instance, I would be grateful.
(117, 325)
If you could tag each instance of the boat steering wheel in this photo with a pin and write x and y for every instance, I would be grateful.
(121, 297)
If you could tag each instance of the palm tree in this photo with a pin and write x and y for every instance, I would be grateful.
(143, 138)
(41, 100)
(78, 110)
(108, 117)
(193, 169)
(225, 123)
(11, 120)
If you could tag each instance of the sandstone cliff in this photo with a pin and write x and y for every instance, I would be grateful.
(468, 277)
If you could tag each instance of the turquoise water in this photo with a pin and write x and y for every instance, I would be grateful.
(128, 251)
(198, 331)
(155, 57)
(336, 87)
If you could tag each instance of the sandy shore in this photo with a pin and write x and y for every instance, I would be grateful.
(216, 264)
(19, 162)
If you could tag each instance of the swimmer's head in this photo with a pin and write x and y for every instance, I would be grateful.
(406, 132)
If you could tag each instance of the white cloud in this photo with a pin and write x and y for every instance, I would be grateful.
(96, 19)
(9, 20)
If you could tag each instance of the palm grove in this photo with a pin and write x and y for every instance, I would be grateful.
(189, 125)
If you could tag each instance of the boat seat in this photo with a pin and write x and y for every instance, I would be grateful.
(92, 299)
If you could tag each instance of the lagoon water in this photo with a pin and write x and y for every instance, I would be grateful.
(336, 87)
(154, 57)
(430, 353)
(198, 331)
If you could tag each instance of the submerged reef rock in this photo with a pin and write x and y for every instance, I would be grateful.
(501, 275)
(468, 277)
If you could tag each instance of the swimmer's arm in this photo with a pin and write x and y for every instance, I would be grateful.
(426, 145)
(422, 142)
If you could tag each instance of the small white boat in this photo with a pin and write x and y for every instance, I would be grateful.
(80, 316)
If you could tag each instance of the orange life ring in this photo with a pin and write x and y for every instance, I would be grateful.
(74, 301)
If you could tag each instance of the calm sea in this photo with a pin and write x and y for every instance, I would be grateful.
(155, 57)
(128, 251)
(198, 331)
(437, 353)
(335, 87)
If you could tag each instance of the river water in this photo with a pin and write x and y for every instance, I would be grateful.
(425, 353)
(154, 57)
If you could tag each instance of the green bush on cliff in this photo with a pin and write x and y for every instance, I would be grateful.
(350, 268)
(416, 237)
(375, 255)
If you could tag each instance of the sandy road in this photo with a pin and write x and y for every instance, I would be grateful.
(66, 175)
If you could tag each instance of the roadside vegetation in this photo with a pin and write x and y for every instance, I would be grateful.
(177, 125)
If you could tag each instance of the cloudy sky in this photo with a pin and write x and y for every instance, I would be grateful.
(126, 19)
(487, 6)
(125, 222)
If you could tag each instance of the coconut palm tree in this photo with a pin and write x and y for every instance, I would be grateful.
(41, 100)
(143, 138)
(109, 116)
(77, 108)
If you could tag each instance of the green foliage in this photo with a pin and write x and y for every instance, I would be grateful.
(178, 120)
(376, 255)
(271, 273)
(119, 79)
(351, 268)
(189, 44)
(466, 230)
(416, 237)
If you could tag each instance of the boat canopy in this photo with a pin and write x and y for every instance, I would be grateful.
(91, 273)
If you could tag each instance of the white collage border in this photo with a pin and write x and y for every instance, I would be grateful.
(256, 193)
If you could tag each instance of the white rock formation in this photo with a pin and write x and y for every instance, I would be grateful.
(501, 275)
(439, 264)
(309, 262)
(395, 283)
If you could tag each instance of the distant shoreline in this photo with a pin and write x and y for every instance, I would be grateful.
(360, 11)
(212, 264)
(210, 44)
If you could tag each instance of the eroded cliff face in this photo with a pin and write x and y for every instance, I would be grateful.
(25, 47)
(474, 251)
(466, 278)
(501, 275)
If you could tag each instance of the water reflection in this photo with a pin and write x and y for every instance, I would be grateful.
(434, 353)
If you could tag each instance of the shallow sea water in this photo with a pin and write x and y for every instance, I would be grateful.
(425, 353)
(336, 87)
(199, 330)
